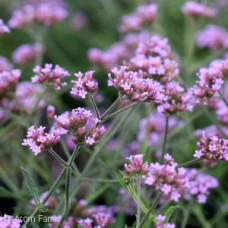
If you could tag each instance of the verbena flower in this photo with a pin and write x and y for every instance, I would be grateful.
(136, 20)
(8, 82)
(84, 84)
(38, 140)
(8, 221)
(5, 65)
(137, 165)
(3, 28)
(212, 37)
(82, 125)
(209, 83)
(46, 13)
(135, 87)
(212, 148)
(160, 222)
(26, 53)
(177, 99)
(50, 112)
(85, 223)
(50, 75)
(198, 10)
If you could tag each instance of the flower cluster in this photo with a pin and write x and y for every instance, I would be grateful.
(152, 128)
(8, 82)
(213, 37)
(26, 53)
(212, 148)
(168, 179)
(3, 28)
(82, 125)
(209, 83)
(8, 221)
(198, 10)
(47, 13)
(50, 76)
(135, 87)
(4, 64)
(38, 140)
(160, 222)
(85, 223)
(153, 57)
(26, 96)
(118, 52)
(136, 166)
(178, 100)
(201, 184)
(84, 84)
(136, 20)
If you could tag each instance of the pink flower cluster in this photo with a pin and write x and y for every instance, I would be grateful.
(84, 84)
(118, 52)
(168, 179)
(4, 64)
(152, 128)
(153, 57)
(136, 20)
(26, 97)
(160, 222)
(212, 148)
(47, 13)
(135, 87)
(51, 76)
(85, 223)
(178, 100)
(38, 140)
(8, 221)
(176, 183)
(3, 28)
(82, 125)
(26, 53)
(8, 82)
(201, 184)
(209, 83)
(198, 10)
(136, 166)
(213, 37)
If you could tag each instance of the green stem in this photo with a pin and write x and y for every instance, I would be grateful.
(54, 154)
(67, 194)
(93, 102)
(186, 214)
(188, 163)
(138, 185)
(113, 106)
(119, 111)
(152, 208)
(165, 139)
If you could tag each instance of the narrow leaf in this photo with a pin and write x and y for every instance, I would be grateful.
(168, 213)
(31, 186)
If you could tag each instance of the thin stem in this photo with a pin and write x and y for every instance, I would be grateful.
(188, 163)
(223, 98)
(152, 208)
(186, 214)
(54, 154)
(93, 102)
(113, 106)
(165, 139)
(120, 110)
(74, 155)
(67, 194)
(138, 185)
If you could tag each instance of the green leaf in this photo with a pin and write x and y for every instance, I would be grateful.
(127, 183)
(31, 186)
(168, 213)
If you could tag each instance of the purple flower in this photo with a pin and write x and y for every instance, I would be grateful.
(3, 28)
(8, 221)
(50, 75)
(38, 140)
(84, 84)
(160, 222)
(198, 10)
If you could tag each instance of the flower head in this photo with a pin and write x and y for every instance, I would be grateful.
(50, 75)
(3, 28)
